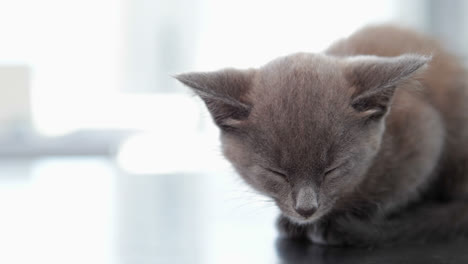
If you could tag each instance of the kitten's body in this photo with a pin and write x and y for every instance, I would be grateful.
(354, 149)
(444, 92)
(424, 152)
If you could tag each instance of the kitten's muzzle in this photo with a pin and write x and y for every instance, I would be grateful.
(305, 202)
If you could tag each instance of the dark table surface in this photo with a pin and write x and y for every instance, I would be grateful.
(87, 210)
(298, 252)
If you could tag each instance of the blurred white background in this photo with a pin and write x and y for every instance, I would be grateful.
(104, 154)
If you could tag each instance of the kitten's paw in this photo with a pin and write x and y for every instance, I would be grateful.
(316, 235)
(344, 232)
(324, 235)
(287, 229)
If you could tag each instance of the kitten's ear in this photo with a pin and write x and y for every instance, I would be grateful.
(375, 79)
(224, 93)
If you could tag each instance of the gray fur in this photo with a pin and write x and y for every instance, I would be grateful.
(362, 132)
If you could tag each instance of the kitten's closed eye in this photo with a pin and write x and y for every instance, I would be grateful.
(335, 168)
(279, 173)
(328, 171)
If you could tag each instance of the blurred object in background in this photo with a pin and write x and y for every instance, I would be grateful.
(160, 40)
(15, 106)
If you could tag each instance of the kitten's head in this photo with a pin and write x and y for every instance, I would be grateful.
(304, 128)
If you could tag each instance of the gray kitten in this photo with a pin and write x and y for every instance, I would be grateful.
(363, 144)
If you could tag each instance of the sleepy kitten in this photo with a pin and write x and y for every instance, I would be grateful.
(365, 143)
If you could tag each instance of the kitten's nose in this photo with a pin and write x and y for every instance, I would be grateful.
(305, 202)
(306, 212)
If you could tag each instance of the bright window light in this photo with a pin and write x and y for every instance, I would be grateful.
(75, 52)
(247, 33)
